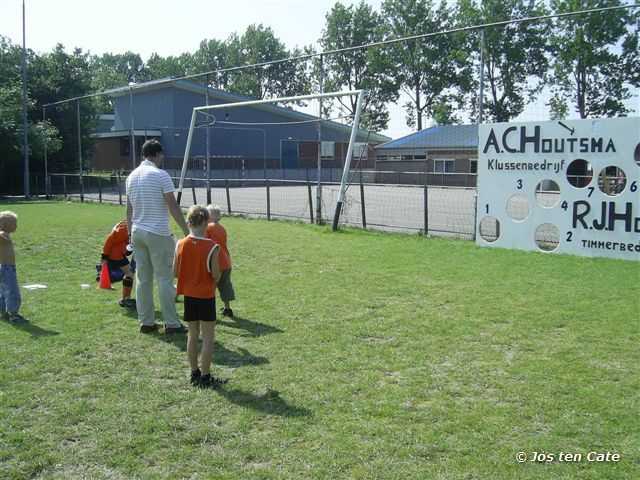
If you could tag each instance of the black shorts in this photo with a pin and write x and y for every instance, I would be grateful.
(203, 309)
(118, 263)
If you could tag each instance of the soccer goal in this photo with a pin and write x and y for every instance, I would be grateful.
(233, 131)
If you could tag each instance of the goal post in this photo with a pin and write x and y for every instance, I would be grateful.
(354, 129)
(347, 162)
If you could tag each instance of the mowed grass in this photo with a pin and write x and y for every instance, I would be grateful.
(353, 355)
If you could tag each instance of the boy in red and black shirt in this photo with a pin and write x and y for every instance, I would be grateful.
(115, 251)
(195, 265)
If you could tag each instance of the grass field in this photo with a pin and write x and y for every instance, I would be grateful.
(353, 355)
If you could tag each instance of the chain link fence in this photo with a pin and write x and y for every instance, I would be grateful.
(423, 209)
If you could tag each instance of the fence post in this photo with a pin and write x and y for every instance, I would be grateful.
(64, 184)
(310, 201)
(475, 216)
(268, 201)
(364, 214)
(426, 210)
(193, 191)
(226, 186)
(99, 188)
(119, 189)
(81, 189)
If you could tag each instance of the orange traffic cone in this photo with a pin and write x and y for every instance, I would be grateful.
(105, 281)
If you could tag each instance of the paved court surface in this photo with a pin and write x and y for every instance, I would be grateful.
(399, 208)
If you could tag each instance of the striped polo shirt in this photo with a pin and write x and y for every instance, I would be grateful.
(146, 187)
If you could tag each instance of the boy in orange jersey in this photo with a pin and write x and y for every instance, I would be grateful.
(195, 265)
(115, 251)
(218, 234)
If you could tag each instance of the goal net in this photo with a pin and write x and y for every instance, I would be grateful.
(252, 139)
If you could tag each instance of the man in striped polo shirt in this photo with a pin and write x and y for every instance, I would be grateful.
(150, 200)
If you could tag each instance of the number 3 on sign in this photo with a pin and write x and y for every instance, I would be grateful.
(519, 184)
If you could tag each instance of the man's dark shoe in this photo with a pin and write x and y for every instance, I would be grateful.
(227, 312)
(149, 328)
(195, 377)
(180, 329)
(209, 381)
(128, 303)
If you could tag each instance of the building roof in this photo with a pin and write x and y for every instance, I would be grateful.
(438, 137)
(226, 97)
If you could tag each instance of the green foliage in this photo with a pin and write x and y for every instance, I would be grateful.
(12, 136)
(57, 76)
(589, 71)
(171, 66)
(428, 70)
(353, 355)
(259, 45)
(368, 69)
(515, 56)
(116, 70)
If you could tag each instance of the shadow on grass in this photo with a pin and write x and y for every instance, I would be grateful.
(269, 403)
(221, 355)
(34, 330)
(254, 329)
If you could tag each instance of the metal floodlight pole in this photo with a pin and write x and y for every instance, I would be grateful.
(132, 148)
(319, 186)
(208, 148)
(481, 88)
(79, 149)
(25, 126)
(347, 162)
(46, 169)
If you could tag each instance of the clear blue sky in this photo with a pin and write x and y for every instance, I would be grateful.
(168, 27)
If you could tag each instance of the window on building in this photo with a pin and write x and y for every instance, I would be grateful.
(473, 165)
(443, 166)
(328, 150)
(360, 150)
(124, 147)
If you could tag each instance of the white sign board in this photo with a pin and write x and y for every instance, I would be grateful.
(570, 186)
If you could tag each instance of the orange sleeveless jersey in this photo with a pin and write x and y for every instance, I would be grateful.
(115, 246)
(218, 234)
(194, 273)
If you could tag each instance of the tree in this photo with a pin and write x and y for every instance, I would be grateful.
(259, 45)
(11, 121)
(428, 69)
(596, 59)
(213, 55)
(367, 69)
(174, 67)
(58, 76)
(515, 55)
(115, 70)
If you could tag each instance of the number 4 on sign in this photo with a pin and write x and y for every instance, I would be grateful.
(564, 205)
